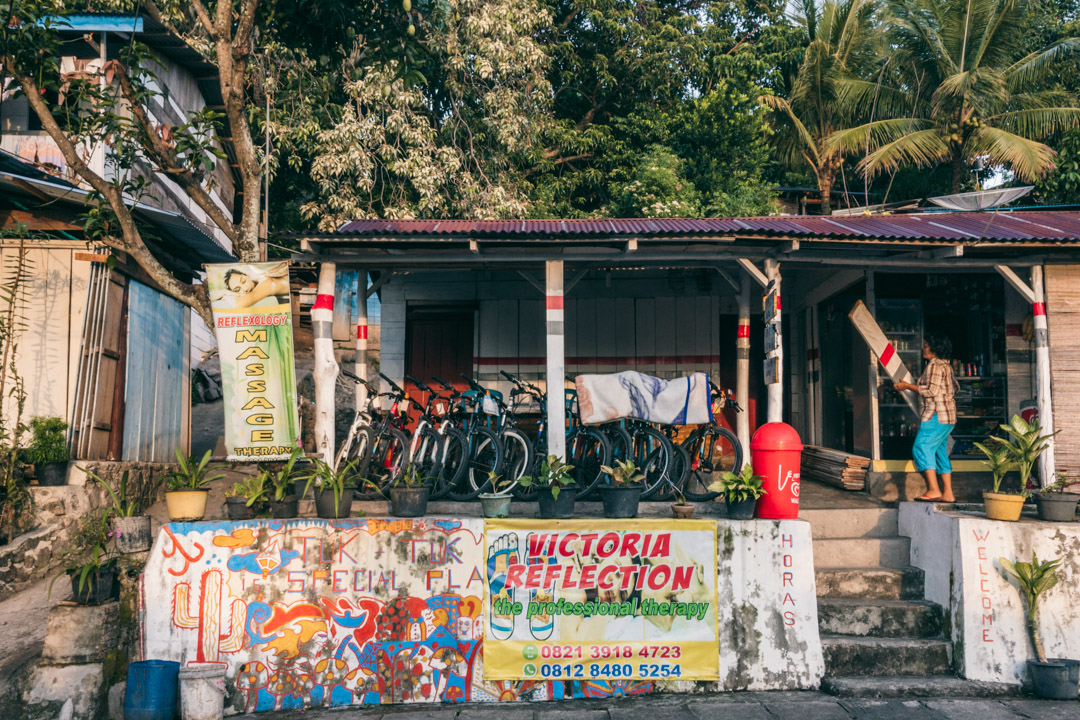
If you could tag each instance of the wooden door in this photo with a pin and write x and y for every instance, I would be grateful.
(438, 342)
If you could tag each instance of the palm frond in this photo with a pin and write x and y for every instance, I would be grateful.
(859, 96)
(853, 140)
(1037, 122)
(921, 149)
(1036, 65)
(1029, 159)
(782, 106)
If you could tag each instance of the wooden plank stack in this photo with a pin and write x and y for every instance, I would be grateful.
(834, 467)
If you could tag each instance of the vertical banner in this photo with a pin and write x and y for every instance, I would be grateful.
(252, 322)
(601, 599)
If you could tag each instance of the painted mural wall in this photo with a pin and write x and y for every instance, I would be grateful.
(384, 610)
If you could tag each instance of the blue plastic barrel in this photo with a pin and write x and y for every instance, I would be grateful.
(151, 690)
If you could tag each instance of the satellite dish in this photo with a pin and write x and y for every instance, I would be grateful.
(983, 199)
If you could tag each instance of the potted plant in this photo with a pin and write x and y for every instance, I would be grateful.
(409, 494)
(1054, 503)
(622, 495)
(740, 492)
(186, 488)
(89, 563)
(332, 498)
(496, 504)
(243, 498)
(1022, 450)
(284, 502)
(680, 508)
(133, 531)
(1053, 678)
(554, 475)
(48, 451)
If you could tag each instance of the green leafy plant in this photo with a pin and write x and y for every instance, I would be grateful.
(1034, 579)
(1025, 444)
(253, 488)
(324, 476)
(192, 475)
(680, 499)
(499, 485)
(16, 502)
(49, 443)
(736, 488)
(122, 505)
(554, 474)
(410, 478)
(89, 553)
(1061, 481)
(998, 461)
(281, 478)
(625, 472)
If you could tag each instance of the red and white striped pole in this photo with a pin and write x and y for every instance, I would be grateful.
(742, 369)
(326, 368)
(361, 337)
(775, 411)
(1047, 464)
(556, 358)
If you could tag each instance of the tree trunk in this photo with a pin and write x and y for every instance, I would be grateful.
(326, 368)
(825, 182)
(956, 168)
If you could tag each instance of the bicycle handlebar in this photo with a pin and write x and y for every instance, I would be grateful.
(394, 385)
(446, 385)
(473, 384)
(356, 378)
(419, 384)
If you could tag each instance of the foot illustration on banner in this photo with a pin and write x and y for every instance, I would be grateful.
(541, 626)
(503, 553)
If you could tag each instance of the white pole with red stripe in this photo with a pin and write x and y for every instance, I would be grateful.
(776, 389)
(361, 337)
(326, 368)
(742, 369)
(556, 358)
(1047, 465)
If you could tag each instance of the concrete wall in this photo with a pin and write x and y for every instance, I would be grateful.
(362, 611)
(959, 553)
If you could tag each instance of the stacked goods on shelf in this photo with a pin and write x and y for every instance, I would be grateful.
(834, 467)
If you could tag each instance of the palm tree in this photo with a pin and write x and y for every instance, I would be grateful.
(974, 92)
(838, 50)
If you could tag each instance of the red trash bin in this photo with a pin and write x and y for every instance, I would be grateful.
(776, 454)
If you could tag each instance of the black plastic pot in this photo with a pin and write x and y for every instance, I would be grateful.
(742, 509)
(1056, 679)
(287, 508)
(298, 488)
(237, 509)
(621, 501)
(324, 503)
(97, 589)
(134, 533)
(52, 474)
(1057, 507)
(408, 501)
(561, 508)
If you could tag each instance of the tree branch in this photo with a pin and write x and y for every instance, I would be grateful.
(242, 39)
(203, 15)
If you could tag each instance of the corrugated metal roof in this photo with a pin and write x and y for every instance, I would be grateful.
(1028, 226)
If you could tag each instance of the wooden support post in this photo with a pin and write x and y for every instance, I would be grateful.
(326, 368)
(776, 389)
(556, 359)
(742, 369)
(1047, 465)
(361, 337)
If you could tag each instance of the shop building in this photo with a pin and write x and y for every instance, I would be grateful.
(671, 297)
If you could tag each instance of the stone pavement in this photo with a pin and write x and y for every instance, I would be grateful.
(736, 706)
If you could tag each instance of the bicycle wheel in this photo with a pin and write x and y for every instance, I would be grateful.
(528, 494)
(588, 449)
(389, 453)
(426, 455)
(655, 447)
(716, 451)
(485, 455)
(622, 445)
(680, 467)
(517, 456)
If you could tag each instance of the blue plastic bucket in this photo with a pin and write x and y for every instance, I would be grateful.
(151, 690)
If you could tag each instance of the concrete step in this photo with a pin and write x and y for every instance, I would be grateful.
(851, 522)
(862, 552)
(871, 582)
(854, 656)
(880, 618)
(899, 686)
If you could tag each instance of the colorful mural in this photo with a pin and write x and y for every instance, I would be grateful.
(315, 613)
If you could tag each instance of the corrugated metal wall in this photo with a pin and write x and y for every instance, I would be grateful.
(157, 386)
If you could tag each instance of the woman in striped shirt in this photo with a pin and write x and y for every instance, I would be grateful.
(937, 387)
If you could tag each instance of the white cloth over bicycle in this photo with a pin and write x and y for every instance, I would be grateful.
(629, 394)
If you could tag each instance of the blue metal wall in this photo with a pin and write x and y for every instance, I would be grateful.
(157, 392)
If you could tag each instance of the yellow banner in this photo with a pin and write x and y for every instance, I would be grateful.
(601, 599)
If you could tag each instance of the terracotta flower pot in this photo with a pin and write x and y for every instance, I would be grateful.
(1002, 506)
(683, 511)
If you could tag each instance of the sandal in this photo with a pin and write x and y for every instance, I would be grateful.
(936, 499)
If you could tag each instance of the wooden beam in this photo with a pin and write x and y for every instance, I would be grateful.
(379, 283)
(730, 281)
(474, 247)
(752, 270)
(631, 246)
(574, 281)
(1017, 282)
(940, 253)
(532, 281)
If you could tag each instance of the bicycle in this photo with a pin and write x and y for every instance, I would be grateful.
(482, 458)
(375, 439)
(437, 449)
(712, 450)
(516, 446)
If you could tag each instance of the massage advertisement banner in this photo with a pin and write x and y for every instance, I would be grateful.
(250, 303)
(601, 599)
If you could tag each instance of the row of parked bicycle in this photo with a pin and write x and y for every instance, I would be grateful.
(464, 438)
